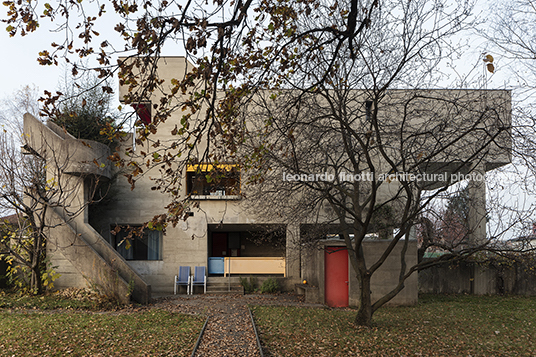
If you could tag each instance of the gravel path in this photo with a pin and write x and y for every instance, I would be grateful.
(229, 330)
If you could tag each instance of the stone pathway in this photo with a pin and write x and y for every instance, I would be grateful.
(229, 330)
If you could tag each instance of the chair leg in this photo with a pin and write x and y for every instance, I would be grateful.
(175, 286)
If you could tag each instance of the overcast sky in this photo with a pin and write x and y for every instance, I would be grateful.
(20, 66)
(19, 63)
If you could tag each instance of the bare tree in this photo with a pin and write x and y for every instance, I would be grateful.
(362, 163)
(24, 100)
(510, 31)
(368, 150)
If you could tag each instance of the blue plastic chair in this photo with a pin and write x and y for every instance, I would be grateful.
(200, 278)
(183, 279)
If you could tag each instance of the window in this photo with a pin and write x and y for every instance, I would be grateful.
(143, 111)
(368, 110)
(133, 243)
(213, 180)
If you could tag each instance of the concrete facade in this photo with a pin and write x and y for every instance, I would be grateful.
(190, 243)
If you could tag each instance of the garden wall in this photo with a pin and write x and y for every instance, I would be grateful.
(517, 278)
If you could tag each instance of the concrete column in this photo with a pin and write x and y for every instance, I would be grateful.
(293, 252)
(477, 206)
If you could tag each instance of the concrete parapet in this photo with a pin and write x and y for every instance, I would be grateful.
(74, 156)
(95, 259)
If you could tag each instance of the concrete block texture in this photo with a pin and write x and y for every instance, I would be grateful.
(383, 280)
(94, 260)
(188, 243)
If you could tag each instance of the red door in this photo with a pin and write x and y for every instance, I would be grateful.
(336, 276)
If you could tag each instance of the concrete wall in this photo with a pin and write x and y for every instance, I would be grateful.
(518, 278)
(384, 279)
(74, 248)
(62, 149)
(79, 263)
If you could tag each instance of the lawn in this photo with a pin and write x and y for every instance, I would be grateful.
(52, 326)
(437, 326)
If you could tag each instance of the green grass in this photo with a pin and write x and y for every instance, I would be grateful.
(437, 326)
(55, 326)
(47, 302)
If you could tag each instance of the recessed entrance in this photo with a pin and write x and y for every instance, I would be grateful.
(242, 249)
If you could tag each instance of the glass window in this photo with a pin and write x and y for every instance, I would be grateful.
(213, 180)
(133, 243)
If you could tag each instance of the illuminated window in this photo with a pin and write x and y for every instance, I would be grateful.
(213, 180)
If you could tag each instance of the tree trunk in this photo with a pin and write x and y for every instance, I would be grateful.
(36, 285)
(35, 282)
(364, 313)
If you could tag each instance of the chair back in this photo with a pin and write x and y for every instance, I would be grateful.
(199, 274)
(184, 273)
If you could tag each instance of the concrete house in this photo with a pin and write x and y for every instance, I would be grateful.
(219, 234)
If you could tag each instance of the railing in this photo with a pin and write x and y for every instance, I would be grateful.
(254, 265)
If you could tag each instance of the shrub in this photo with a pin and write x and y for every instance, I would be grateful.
(85, 110)
(250, 286)
(269, 286)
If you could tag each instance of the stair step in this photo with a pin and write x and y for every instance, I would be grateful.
(220, 285)
(220, 288)
(221, 279)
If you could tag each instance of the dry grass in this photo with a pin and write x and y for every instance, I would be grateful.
(437, 326)
(54, 325)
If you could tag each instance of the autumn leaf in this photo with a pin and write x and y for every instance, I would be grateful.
(488, 58)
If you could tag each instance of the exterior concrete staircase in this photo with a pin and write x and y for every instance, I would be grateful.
(73, 246)
(224, 285)
(100, 264)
